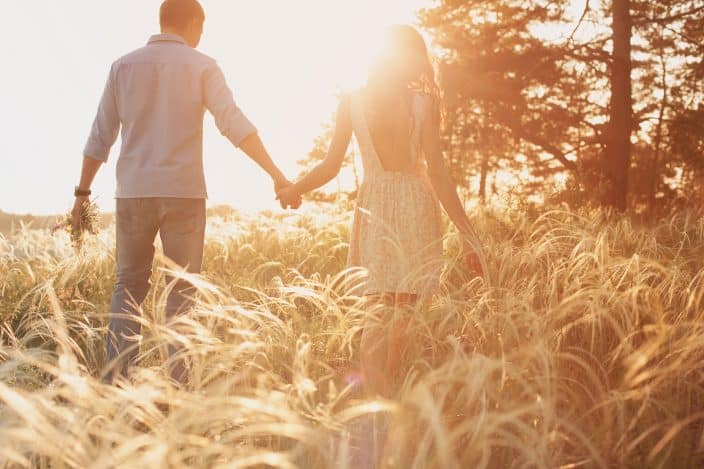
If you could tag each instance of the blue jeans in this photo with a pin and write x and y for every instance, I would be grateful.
(181, 227)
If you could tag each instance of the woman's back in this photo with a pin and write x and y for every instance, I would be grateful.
(389, 130)
(390, 122)
(396, 234)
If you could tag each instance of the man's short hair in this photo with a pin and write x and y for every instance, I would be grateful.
(179, 13)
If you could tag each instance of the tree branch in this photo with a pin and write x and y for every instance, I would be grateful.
(579, 23)
(559, 155)
(642, 19)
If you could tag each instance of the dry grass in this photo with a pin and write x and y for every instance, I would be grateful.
(585, 349)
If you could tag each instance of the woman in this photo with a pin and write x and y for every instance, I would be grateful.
(396, 236)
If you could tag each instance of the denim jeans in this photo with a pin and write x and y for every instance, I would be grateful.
(181, 227)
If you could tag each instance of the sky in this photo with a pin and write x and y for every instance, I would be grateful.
(284, 60)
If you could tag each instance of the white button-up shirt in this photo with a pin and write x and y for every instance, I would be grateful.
(158, 94)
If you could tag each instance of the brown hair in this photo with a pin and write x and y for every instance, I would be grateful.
(178, 13)
(406, 66)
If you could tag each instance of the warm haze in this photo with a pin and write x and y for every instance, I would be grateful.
(519, 284)
(284, 64)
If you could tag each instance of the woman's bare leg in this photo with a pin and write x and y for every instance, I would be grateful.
(373, 351)
(398, 333)
(384, 342)
(381, 350)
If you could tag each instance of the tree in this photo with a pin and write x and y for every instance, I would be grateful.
(539, 89)
(618, 145)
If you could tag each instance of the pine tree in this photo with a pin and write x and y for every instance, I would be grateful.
(599, 102)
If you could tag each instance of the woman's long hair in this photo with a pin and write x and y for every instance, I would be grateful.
(405, 66)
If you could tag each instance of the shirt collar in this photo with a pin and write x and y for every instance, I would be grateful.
(166, 38)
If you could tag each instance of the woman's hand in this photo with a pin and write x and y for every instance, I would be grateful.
(472, 259)
(289, 196)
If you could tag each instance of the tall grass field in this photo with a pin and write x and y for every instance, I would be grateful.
(583, 347)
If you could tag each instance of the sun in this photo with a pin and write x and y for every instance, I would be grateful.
(285, 61)
(288, 68)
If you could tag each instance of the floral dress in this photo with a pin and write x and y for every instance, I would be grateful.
(396, 237)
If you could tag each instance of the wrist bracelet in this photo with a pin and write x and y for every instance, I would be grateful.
(77, 192)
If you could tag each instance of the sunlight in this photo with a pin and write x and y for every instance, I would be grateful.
(305, 55)
(518, 283)
(285, 61)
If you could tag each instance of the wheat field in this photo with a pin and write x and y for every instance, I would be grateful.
(583, 348)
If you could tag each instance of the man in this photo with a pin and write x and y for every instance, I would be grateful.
(158, 95)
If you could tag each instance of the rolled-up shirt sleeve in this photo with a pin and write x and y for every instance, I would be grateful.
(229, 118)
(106, 125)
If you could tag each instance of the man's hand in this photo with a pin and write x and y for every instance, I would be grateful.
(254, 148)
(78, 205)
(291, 200)
(289, 197)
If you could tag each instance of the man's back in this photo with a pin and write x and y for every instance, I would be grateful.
(158, 94)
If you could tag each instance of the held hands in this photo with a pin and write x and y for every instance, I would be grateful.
(287, 195)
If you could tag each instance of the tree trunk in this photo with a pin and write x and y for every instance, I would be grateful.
(482, 179)
(655, 175)
(618, 148)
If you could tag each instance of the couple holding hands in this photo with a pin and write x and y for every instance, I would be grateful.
(157, 96)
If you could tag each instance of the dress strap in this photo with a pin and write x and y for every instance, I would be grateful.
(364, 137)
(419, 107)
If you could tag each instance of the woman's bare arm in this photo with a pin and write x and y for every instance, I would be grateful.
(330, 166)
(442, 182)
